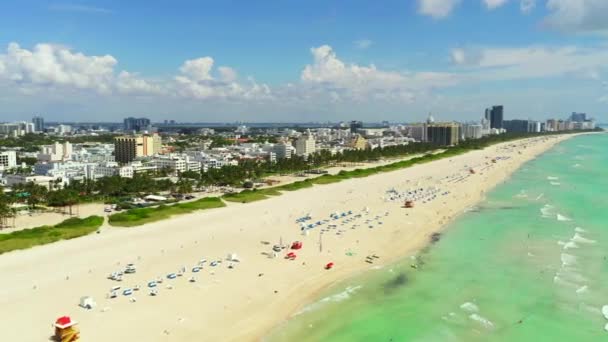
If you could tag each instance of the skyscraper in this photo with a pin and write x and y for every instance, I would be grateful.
(38, 122)
(128, 148)
(355, 126)
(496, 116)
(137, 124)
(578, 117)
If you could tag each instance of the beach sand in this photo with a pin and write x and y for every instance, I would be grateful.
(244, 302)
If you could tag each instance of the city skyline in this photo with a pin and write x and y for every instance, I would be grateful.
(329, 61)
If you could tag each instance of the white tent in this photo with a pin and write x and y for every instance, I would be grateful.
(233, 257)
(87, 302)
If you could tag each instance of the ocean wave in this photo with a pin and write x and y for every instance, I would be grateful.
(335, 298)
(561, 217)
(568, 259)
(470, 307)
(582, 289)
(571, 276)
(579, 230)
(570, 245)
(580, 239)
(484, 321)
(605, 311)
(547, 210)
(552, 178)
(555, 183)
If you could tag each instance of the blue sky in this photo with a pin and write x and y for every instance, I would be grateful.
(288, 60)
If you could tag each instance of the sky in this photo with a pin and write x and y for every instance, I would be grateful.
(301, 61)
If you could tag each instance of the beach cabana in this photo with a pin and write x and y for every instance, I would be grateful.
(291, 256)
(296, 245)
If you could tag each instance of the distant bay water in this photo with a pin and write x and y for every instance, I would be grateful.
(530, 263)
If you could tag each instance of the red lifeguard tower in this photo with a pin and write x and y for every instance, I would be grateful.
(65, 330)
(296, 245)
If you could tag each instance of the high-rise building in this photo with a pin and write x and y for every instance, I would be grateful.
(578, 117)
(517, 126)
(496, 116)
(443, 134)
(38, 122)
(128, 148)
(305, 145)
(137, 124)
(355, 126)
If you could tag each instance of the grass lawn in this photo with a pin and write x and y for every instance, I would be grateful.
(139, 216)
(247, 196)
(68, 229)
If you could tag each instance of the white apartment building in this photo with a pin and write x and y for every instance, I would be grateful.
(471, 131)
(305, 145)
(284, 149)
(8, 160)
(16, 129)
(177, 163)
(55, 152)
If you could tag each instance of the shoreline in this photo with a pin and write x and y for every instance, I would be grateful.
(249, 301)
(314, 296)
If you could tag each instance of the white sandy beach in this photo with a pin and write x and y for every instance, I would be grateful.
(245, 302)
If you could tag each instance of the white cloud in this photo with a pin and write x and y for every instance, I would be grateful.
(363, 44)
(437, 9)
(530, 62)
(128, 83)
(227, 74)
(527, 6)
(196, 81)
(328, 74)
(493, 4)
(197, 69)
(578, 15)
(54, 65)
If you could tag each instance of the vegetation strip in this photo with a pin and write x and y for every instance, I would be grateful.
(71, 228)
(137, 217)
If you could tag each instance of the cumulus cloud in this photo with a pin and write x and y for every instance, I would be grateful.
(437, 9)
(47, 67)
(331, 75)
(492, 4)
(196, 81)
(578, 15)
(54, 65)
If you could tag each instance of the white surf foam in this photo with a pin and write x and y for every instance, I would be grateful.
(563, 282)
(605, 311)
(552, 178)
(568, 259)
(547, 210)
(561, 217)
(582, 289)
(484, 321)
(555, 183)
(470, 307)
(335, 298)
(580, 239)
(579, 230)
(570, 245)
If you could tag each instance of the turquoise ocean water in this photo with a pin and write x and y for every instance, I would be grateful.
(530, 263)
